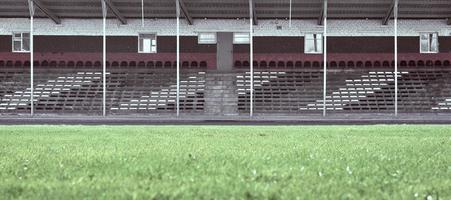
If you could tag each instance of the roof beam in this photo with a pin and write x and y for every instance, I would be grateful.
(185, 12)
(46, 11)
(254, 14)
(321, 15)
(115, 11)
(388, 14)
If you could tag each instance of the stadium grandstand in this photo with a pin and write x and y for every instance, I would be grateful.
(225, 58)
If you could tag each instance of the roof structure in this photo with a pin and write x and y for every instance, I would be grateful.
(229, 9)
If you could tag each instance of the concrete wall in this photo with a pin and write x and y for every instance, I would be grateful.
(345, 36)
(167, 27)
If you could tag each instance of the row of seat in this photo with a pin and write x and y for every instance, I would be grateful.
(348, 91)
(81, 91)
(341, 64)
(123, 64)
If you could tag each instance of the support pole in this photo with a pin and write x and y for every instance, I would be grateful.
(31, 8)
(251, 57)
(325, 60)
(104, 11)
(142, 13)
(178, 56)
(291, 7)
(395, 13)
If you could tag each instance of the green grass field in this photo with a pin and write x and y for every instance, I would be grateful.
(229, 162)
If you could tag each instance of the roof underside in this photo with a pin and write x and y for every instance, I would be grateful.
(220, 9)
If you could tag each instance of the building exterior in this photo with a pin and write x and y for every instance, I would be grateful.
(224, 58)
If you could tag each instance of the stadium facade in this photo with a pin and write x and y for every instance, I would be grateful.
(224, 58)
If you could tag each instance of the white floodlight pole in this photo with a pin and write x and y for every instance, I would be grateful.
(251, 56)
(31, 8)
(395, 13)
(290, 12)
(325, 60)
(104, 12)
(142, 13)
(178, 56)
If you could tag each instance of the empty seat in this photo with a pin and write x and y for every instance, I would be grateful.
(342, 64)
(18, 64)
(351, 64)
(45, 63)
(255, 65)
(412, 63)
(359, 64)
(316, 64)
(307, 64)
(99, 64)
(298, 64)
(281, 64)
(132, 64)
(142, 64)
(238, 64)
(71, 64)
(333, 64)
(168, 64)
(62, 64)
(124, 64)
(402, 63)
(115, 64)
(203, 64)
(88, 64)
(377, 64)
(290, 64)
(53, 64)
(2, 63)
(194, 64)
(420, 63)
(429, 63)
(246, 64)
(159, 64)
(272, 64)
(9, 63)
(150, 64)
(446, 63)
(185, 64)
(263, 64)
(438, 63)
(26, 63)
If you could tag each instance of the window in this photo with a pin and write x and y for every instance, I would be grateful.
(428, 43)
(206, 38)
(313, 43)
(147, 43)
(241, 38)
(21, 42)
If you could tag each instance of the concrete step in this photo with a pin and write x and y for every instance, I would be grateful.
(221, 97)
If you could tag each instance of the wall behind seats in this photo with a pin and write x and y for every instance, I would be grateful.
(117, 44)
(188, 44)
(5, 43)
(56, 44)
(372, 44)
(273, 45)
(445, 44)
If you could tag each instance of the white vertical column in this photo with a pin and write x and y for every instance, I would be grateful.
(395, 14)
(178, 56)
(325, 60)
(291, 7)
(142, 13)
(104, 12)
(31, 8)
(251, 56)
